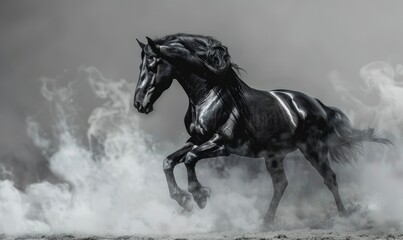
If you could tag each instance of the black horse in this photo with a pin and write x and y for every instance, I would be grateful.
(225, 116)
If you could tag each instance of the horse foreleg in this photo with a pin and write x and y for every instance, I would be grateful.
(183, 198)
(211, 148)
(274, 165)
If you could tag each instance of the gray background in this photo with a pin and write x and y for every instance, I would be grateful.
(281, 44)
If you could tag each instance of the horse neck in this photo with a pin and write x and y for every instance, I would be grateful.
(196, 88)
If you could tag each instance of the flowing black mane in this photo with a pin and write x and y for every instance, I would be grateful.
(212, 52)
(205, 47)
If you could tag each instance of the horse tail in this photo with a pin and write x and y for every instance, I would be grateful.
(344, 141)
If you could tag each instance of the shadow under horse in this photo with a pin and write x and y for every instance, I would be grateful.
(225, 116)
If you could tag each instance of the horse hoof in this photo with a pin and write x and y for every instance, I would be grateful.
(268, 222)
(186, 203)
(184, 200)
(344, 214)
(350, 211)
(201, 202)
(200, 196)
(267, 226)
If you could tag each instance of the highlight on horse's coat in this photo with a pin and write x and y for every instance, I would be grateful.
(226, 116)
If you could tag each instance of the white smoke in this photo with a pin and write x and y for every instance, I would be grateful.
(377, 103)
(115, 183)
(112, 180)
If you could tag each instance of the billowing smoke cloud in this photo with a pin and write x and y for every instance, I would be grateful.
(113, 184)
(377, 103)
(111, 179)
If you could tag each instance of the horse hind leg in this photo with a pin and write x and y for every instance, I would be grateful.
(275, 166)
(317, 155)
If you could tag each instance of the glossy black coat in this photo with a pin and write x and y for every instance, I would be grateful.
(225, 116)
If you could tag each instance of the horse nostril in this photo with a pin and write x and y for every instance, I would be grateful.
(137, 104)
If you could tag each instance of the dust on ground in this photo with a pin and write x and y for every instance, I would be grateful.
(300, 234)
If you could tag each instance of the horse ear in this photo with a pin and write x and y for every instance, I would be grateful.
(153, 45)
(142, 45)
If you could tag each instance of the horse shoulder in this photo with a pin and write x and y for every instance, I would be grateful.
(205, 118)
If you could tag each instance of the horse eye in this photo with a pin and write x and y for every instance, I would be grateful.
(152, 64)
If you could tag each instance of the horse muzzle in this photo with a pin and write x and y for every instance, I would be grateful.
(147, 108)
(144, 108)
(143, 103)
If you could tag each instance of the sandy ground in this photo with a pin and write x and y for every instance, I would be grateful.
(300, 234)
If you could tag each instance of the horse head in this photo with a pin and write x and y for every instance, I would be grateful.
(156, 75)
(162, 63)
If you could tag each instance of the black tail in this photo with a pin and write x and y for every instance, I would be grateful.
(345, 142)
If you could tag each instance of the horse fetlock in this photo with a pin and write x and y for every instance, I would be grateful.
(196, 187)
(343, 212)
(268, 219)
(178, 193)
(193, 187)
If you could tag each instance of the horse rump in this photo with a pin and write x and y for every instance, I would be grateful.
(345, 142)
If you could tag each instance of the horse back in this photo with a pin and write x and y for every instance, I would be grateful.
(305, 105)
(312, 113)
(282, 116)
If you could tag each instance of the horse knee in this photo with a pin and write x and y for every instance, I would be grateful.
(168, 165)
(190, 159)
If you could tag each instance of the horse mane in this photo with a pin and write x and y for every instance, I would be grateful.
(206, 48)
(214, 53)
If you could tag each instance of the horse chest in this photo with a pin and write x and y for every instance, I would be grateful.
(204, 117)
